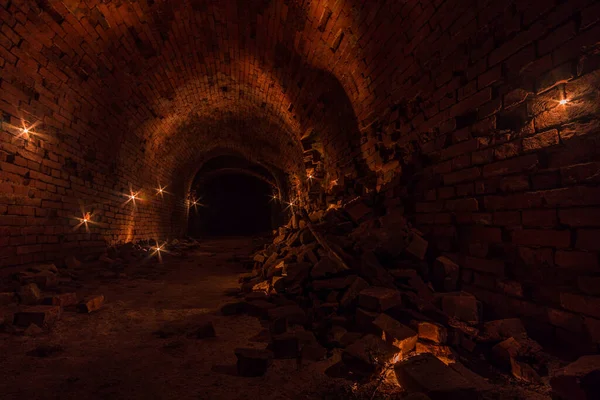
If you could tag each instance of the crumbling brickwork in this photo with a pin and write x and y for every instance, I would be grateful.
(452, 106)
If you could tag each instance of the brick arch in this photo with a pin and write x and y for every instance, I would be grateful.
(157, 68)
(130, 66)
(195, 167)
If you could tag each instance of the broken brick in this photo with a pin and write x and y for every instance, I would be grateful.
(90, 304)
(42, 316)
(379, 298)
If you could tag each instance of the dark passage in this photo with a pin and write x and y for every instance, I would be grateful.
(231, 205)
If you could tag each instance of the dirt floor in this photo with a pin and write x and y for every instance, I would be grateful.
(118, 352)
(137, 347)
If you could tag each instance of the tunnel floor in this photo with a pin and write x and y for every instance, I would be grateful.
(137, 346)
(116, 353)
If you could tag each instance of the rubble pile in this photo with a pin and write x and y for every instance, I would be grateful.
(369, 291)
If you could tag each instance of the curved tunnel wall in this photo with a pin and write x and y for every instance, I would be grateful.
(451, 106)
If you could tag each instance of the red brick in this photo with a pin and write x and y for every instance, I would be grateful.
(581, 304)
(571, 196)
(462, 176)
(470, 204)
(582, 86)
(459, 149)
(514, 183)
(520, 41)
(539, 218)
(516, 97)
(465, 217)
(576, 259)
(531, 256)
(589, 284)
(519, 164)
(494, 267)
(489, 77)
(508, 150)
(507, 218)
(581, 173)
(461, 162)
(592, 327)
(514, 201)
(485, 127)
(590, 15)
(426, 207)
(566, 320)
(472, 102)
(487, 235)
(580, 217)
(538, 237)
(466, 189)
(587, 239)
(482, 157)
(541, 140)
(556, 37)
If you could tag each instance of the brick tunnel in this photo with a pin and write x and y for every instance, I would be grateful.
(409, 189)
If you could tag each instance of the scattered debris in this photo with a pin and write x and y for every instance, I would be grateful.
(427, 374)
(30, 294)
(43, 316)
(372, 290)
(579, 380)
(90, 304)
(63, 300)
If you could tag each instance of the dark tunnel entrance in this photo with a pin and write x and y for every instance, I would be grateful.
(232, 205)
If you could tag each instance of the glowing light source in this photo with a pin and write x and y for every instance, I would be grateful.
(563, 102)
(290, 205)
(24, 132)
(85, 220)
(160, 190)
(156, 250)
(132, 197)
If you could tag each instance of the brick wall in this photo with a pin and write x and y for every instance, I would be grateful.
(503, 177)
(452, 104)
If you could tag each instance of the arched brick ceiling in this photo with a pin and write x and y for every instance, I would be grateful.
(149, 68)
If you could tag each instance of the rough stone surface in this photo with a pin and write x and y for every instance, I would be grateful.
(42, 316)
(433, 332)
(63, 300)
(396, 334)
(578, 380)
(353, 291)
(7, 298)
(30, 294)
(90, 304)
(425, 373)
(369, 354)
(445, 274)
(504, 329)
(379, 298)
(463, 306)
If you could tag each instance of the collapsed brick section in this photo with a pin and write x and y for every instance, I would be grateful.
(452, 106)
